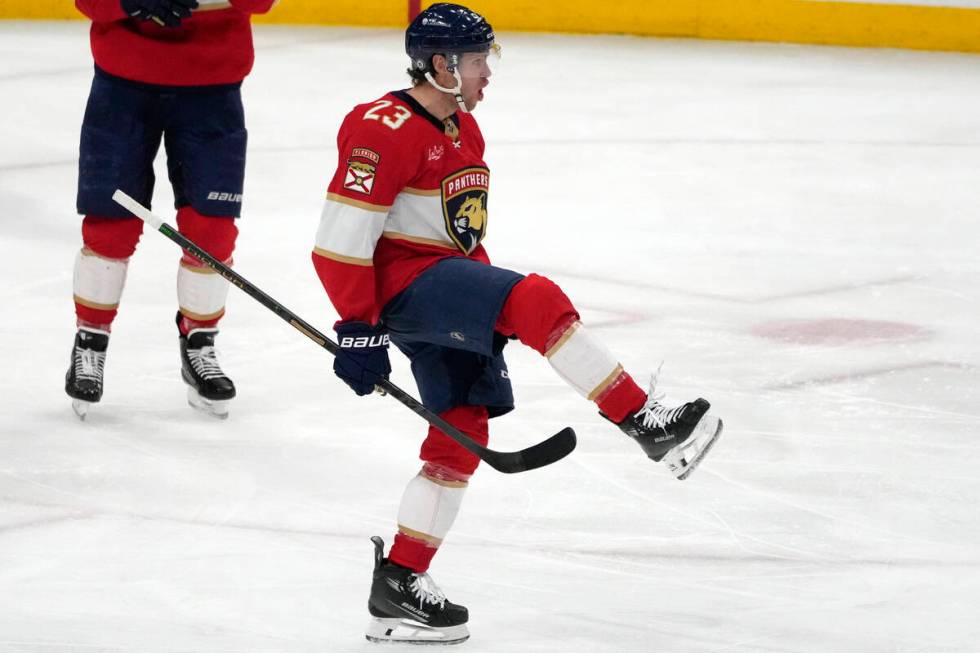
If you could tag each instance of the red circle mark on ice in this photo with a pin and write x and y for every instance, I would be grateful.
(838, 331)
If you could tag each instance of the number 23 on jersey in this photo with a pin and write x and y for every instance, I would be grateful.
(393, 119)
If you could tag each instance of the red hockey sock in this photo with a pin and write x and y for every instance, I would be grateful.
(621, 399)
(216, 236)
(440, 450)
(107, 245)
(186, 324)
(413, 553)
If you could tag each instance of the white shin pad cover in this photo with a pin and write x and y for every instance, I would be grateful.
(201, 292)
(429, 507)
(98, 281)
(583, 361)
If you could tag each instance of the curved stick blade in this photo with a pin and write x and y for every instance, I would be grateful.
(543, 453)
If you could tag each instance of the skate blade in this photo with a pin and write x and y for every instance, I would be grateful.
(684, 458)
(214, 408)
(80, 407)
(406, 631)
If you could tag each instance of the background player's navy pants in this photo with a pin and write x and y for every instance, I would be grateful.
(203, 130)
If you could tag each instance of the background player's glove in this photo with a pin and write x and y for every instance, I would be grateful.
(362, 360)
(168, 13)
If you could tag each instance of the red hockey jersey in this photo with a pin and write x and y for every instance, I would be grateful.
(409, 191)
(213, 46)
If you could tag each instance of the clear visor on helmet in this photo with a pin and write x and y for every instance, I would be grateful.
(478, 64)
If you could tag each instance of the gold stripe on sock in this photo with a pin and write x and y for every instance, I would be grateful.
(99, 307)
(565, 337)
(442, 481)
(86, 251)
(598, 390)
(198, 269)
(197, 317)
(418, 535)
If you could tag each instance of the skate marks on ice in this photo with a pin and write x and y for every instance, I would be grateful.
(858, 375)
(638, 285)
(704, 525)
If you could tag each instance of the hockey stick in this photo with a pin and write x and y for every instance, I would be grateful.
(544, 453)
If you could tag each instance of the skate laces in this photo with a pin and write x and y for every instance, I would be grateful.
(426, 590)
(205, 362)
(653, 413)
(89, 364)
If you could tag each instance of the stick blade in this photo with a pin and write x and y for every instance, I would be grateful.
(539, 455)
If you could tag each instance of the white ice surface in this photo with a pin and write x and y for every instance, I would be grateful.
(691, 197)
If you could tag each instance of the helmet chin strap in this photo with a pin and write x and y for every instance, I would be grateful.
(457, 91)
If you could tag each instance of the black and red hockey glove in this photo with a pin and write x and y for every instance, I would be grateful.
(362, 360)
(168, 13)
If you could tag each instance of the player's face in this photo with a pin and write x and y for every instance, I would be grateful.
(475, 69)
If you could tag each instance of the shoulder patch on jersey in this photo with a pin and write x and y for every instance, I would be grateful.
(366, 153)
(464, 206)
(362, 166)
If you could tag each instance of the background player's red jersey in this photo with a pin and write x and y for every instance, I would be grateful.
(409, 190)
(213, 46)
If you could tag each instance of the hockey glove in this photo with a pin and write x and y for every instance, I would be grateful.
(168, 13)
(362, 360)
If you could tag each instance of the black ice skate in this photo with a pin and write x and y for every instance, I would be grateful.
(83, 381)
(208, 389)
(408, 607)
(680, 437)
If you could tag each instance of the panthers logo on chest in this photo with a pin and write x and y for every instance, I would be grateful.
(464, 206)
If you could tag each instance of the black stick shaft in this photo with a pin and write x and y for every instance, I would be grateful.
(543, 453)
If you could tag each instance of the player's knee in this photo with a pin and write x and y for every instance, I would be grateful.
(114, 238)
(537, 311)
(215, 235)
(443, 455)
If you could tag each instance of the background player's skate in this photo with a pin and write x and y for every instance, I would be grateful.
(83, 381)
(409, 607)
(208, 388)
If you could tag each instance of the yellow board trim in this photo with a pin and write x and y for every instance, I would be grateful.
(822, 22)
(379, 13)
(918, 27)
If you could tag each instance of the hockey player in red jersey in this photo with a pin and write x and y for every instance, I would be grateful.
(399, 251)
(166, 70)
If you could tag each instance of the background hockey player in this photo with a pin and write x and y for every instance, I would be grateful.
(170, 70)
(399, 253)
